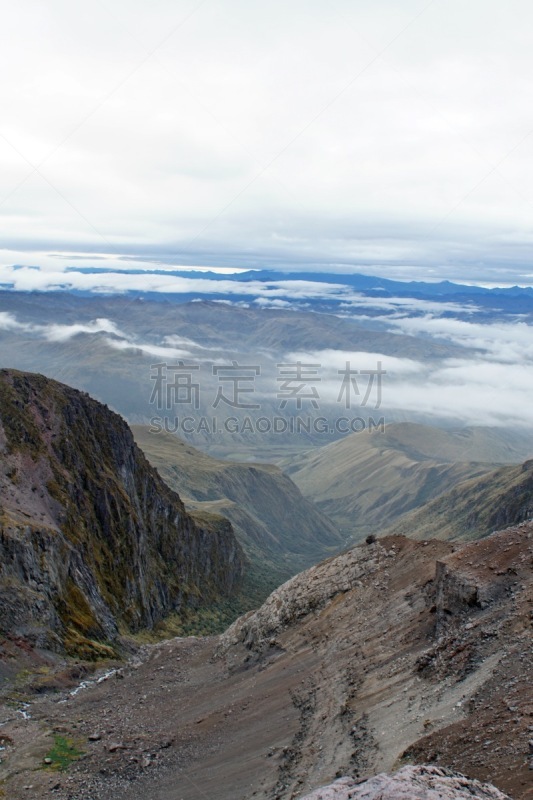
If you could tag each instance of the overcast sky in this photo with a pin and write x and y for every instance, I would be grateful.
(393, 137)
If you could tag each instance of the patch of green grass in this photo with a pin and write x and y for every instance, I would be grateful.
(62, 754)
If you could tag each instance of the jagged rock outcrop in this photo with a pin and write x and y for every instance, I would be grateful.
(409, 783)
(92, 542)
(307, 592)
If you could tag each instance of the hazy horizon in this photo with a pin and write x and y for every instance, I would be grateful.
(391, 139)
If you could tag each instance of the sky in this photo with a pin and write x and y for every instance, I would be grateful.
(391, 137)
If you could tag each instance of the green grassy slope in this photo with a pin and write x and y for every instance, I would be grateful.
(474, 508)
(368, 480)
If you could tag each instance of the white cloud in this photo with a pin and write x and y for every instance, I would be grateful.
(264, 302)
(493, 387)
(404, 305)
(505, 342)
(476, 393)
(56, 332)
(149, 349)
(171, 346)
(334, 360)
(62, 333)
(384, 134)
(180, 341)
(8, 322)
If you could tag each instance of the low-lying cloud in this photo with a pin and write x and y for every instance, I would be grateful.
(171, 347)
(503, 341)
(478, 390)
(31, 279)
(491, 385)
(54, 332)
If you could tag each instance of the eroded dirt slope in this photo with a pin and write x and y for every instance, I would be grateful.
(395, 651)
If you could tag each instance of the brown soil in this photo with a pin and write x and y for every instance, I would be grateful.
(399, 665)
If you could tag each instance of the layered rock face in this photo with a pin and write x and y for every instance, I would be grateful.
(92, 542)
(409, 783)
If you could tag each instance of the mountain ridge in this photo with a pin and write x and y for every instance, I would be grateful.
(367, 480)
(474, 508)
(93, 543)
(393, 653)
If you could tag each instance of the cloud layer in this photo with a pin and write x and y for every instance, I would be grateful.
(491, 384)
(57, 333)
(394, 135)
(491, 387)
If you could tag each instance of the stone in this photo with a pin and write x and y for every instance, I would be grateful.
(409, 783)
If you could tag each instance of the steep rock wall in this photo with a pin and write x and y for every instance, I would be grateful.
(92, 541)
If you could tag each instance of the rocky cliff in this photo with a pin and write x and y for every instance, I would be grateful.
(92, 542)
(273, 521)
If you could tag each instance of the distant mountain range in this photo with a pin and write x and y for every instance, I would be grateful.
(343, 293)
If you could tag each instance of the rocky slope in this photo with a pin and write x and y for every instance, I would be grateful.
(368, 480)
(409, 783)
(474, 508)
(93, 544)
(391, 653)
(275, 524)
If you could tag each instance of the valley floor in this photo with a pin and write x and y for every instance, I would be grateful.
(393, 652)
